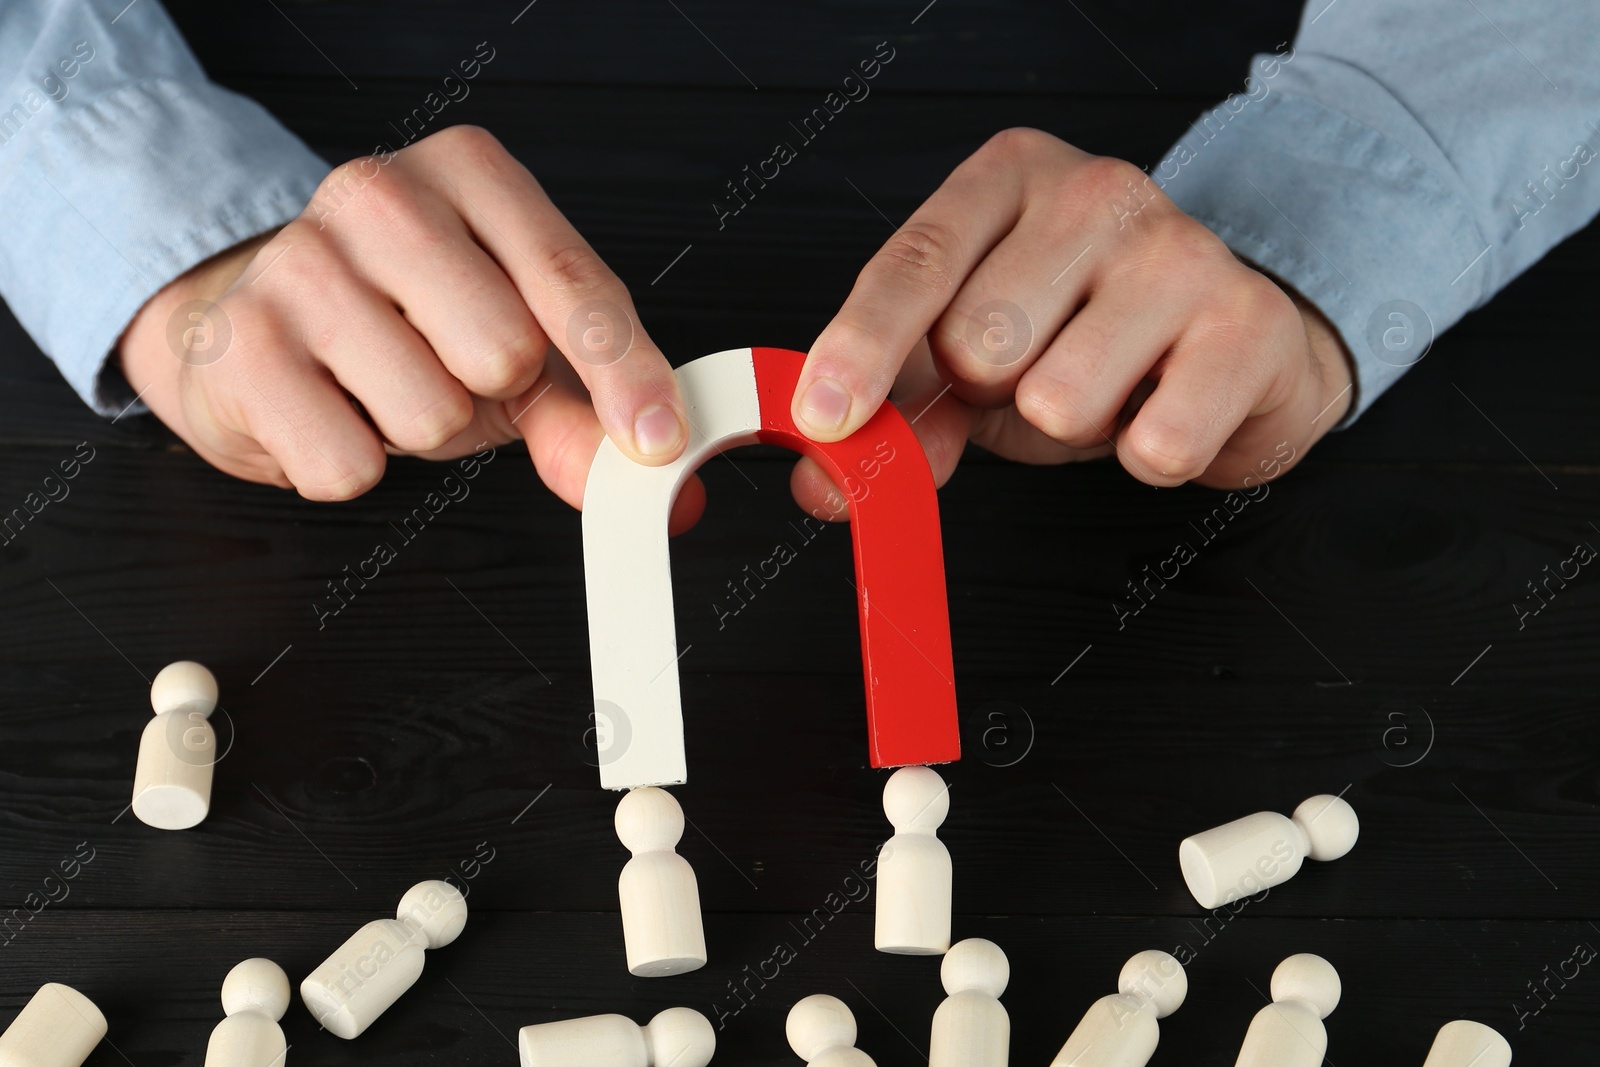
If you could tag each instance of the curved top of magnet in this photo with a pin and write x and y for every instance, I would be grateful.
(735, 398)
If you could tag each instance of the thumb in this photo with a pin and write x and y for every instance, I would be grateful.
(941, 422)
(557, 420)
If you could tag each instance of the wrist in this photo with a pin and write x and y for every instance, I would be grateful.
(1334, 364)
(1331, 360)
(150, 356)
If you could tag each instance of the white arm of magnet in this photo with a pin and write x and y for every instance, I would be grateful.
(633, 644)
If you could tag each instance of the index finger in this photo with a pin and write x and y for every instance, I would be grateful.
(580, 303)
(899, 295)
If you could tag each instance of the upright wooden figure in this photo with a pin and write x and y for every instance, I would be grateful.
(661, 924)
(1243, 857)
(1121, 1030)
(1464, 1043)
(822, 1031)
(914, 871)
(178, 749)
(971, 1028)
(1289, 1031)
(59, 1027)
(255, 994)
(383, 959)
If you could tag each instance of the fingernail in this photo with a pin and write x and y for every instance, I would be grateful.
(825, 405)
(656, 431)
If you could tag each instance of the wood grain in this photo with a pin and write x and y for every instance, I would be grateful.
(1100, 49)
(1354, 630)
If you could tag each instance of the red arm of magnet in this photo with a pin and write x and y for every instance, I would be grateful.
(899, 557)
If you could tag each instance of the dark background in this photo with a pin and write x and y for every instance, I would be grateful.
(1321, 644)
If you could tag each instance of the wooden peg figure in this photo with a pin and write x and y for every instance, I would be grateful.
(1243, 857)
(383, 959)
(1121, 1030)
(661, 924)
(971, 1028)
(58, 1027)
(255, 994)
(1464, 1043)
(822, 1031)
(677, 1037)
(178, 749)
(1289, 1031)
(914, 872)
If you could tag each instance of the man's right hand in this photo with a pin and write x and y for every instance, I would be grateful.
(409, 309)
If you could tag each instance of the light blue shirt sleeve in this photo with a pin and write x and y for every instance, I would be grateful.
(1403, 161)
(122, 166)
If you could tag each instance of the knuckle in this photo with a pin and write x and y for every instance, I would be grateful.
(1174, 253)
(1107, 195)
(948, 341)
(1020, 142)
(1108, 176)
(576, 268)
(1186, 243)
(382, 199)
(308, 263)
(1265, 301)
(956, 342)
(320, 466)
(298, 230)
(1255, 313)
(259, 336)
(952, 349)
(322, 339)
(926, 252)
(438, 423)
(342, 186)
(851, 341)
(345, 178)
(470, 149)
(1167, 451)
(353, 478)
(472, 144)
(390, 200)
(1047, 405)
(507, 368)
(356, 197)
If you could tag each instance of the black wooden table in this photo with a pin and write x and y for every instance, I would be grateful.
(1351, 632)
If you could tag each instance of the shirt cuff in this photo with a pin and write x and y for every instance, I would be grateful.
(126, 193)
(1341, 211)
